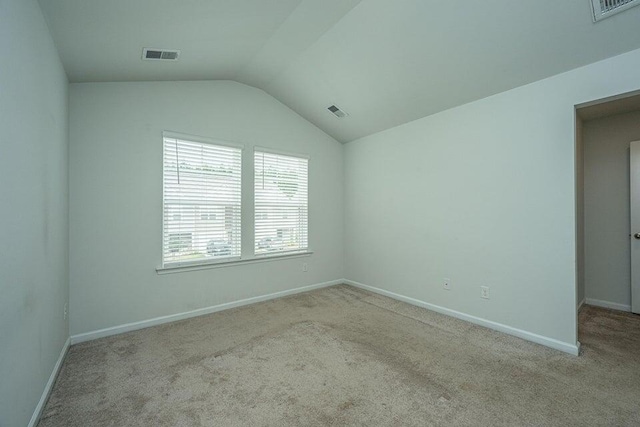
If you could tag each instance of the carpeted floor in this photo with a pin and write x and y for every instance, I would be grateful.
(342, 356)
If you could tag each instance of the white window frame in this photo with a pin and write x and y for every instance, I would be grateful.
(294, 252)
(199, 263)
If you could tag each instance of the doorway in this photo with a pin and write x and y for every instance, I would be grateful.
(607, 273)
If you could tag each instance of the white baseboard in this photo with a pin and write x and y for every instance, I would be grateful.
(573, 349)
(49, 386)
(581, 304)
(101, 333)
(608, 304)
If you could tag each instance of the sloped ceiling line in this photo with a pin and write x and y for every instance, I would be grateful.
(385, 62)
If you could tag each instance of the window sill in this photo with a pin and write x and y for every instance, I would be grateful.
(220, 264)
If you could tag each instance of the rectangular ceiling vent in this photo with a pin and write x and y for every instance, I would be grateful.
(606, 8)
(151, 54)
(337, 112)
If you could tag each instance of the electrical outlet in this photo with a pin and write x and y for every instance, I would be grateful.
(305, 267)
(66, 310)
(484, 292)
(446, 284)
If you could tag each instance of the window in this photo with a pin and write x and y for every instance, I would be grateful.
(281, 203)
(201, 201)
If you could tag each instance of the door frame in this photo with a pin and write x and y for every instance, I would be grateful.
(611, 105)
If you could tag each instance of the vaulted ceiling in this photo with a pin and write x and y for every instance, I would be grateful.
(383, 62)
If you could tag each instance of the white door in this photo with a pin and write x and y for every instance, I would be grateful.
(635, 226)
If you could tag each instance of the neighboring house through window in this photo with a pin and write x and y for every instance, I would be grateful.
(281, 203)
(201, 200)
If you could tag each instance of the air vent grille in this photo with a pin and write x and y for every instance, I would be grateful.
(605, 8)
(337, 112)
(160, 54)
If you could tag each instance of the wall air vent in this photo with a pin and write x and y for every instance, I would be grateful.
(605, 8)
(337, 112)
(151, 54)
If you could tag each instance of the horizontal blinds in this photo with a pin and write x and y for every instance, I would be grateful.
(201, 203)
(281, 203)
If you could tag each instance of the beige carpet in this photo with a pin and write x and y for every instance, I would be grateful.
(341, 356)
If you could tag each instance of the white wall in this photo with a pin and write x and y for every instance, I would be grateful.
(483, 194)
(33, 219)
(607, 251)
(116, 197)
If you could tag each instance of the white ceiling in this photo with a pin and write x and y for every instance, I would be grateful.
(383, 62)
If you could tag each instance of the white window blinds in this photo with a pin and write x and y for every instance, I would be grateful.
(281, 203)
(201, 202)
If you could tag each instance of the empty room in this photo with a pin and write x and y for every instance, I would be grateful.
(319, 213)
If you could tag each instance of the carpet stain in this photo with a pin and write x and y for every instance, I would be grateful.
(346, 405)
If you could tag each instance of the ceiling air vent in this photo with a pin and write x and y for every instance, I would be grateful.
(337, 112)
(160, 54)
(605, 8)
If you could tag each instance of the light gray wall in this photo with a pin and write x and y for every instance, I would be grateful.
(607, 251)
(483, 194)
(580, 268)
(33, 232)
(116, 197)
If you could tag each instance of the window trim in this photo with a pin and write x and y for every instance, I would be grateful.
(230, 263)
(201, 139)
(290, 154)
(279, 152)
(196, 263)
